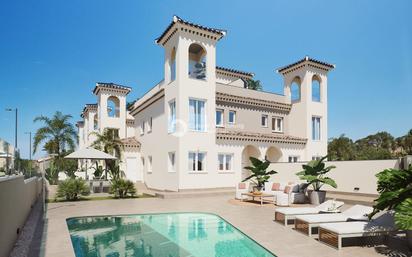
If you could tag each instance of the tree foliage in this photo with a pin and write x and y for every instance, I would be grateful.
(314, 172)
(379, 146)
(395, 193)
(254, 84)
(259, 175)
(57, 134)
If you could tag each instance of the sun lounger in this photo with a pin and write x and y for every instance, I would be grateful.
(306, 223)
(286, 214)
(333, 233)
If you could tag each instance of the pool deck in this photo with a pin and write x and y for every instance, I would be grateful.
(253, 220)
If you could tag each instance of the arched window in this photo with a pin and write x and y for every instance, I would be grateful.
(113, 109)
(295, 90)
(197, 62)
(95, 125)
(316, 89)
(173, 65)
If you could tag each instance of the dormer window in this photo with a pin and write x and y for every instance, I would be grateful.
(197, 62)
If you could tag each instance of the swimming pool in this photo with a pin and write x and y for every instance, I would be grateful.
(160, 235)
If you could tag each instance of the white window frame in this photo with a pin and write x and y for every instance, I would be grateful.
(171, 126)
(234, 117)
(314, 136)
(171, 166)
(222, 120)
(149, 164)
(225, 155)
(293, 158)
(266, 119)
(196, 170)
(204, 118)
(276, 119)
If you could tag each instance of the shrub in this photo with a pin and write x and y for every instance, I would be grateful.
(71, 189)
(122, 188)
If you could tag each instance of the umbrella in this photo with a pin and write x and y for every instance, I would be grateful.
(90, 154)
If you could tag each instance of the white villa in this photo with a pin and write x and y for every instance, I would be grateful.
(198, 127)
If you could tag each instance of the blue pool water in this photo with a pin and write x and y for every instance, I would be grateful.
(161, 235)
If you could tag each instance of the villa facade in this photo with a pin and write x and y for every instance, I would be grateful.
(198, 127)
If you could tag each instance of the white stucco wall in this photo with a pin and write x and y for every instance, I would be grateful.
(348, 174)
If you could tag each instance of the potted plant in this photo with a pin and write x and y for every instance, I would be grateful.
(314, 172)
(395, 193)
(259, 175)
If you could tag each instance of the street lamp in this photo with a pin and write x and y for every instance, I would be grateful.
(15, 129)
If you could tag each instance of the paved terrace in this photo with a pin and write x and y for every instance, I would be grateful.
(255, 221)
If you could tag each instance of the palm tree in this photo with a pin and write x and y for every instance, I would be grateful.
(110, 143)
(57, 134)
(254, 84)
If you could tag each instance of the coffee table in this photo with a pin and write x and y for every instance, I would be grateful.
(262, 197)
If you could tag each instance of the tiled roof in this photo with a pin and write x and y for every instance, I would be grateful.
(222, 97)
(248, 74)
(88, 107)
(130, 142)
(177, 19)
(306, 59)
(111, 86)
(233, 135)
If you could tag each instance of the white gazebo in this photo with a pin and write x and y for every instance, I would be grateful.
(90, 154)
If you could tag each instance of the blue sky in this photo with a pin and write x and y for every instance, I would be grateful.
(52, 52)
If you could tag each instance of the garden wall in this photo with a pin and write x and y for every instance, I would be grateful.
(348, 174)
(17, 197)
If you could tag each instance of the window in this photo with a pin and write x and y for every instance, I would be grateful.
(197, 62)
(317, 158)
(196, 161)
(172, 161)
(142, 128)
(295, 90)
(95, 124)
(173, 65)
(277, 124)
(232, 117)
(293, 158)
(316, 89)
(149, 124)
(225, 162)
(315, 128)
(197, 115)
(172, 117)
(113, 109)
(149, 164)
(113, 133)
(264, 121)
(219, 118)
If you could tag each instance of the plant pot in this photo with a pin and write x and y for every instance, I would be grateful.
(409, 238)
(317, 197)
(257, 189)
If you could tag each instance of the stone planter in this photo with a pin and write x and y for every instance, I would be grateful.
(317, 197)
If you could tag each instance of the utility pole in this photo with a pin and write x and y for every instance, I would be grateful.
(15, 132)
(29, 133)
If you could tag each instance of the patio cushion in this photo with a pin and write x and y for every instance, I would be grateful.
(276, 187)
(242, 186)
(287, 189)
(323, 218)
(297, 210)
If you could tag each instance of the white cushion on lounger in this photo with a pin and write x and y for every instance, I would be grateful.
(328, 205)
(355, 227)
(319, 218)
(297, 210)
